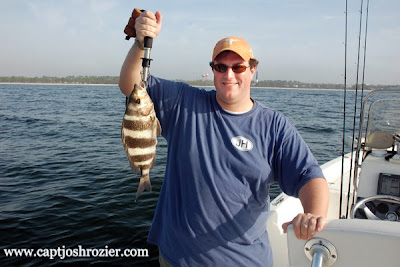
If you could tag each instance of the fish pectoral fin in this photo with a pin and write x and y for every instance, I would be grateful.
(134, 168)
(144, 184)
(158, 127)
(152, 162)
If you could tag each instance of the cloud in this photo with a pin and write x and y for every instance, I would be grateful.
(392, 33)
(101, 6)
(46, 14)
(329, 17)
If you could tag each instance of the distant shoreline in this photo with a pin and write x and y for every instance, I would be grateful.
(205, 83)
(68, 84)
(200, 86)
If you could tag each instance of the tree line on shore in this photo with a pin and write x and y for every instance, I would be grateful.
(204, 82)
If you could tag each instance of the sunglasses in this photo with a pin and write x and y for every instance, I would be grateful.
(222, 68)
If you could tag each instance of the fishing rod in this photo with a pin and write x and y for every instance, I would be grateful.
(354, 115)
(361, 101)
(147, 44)
(353, 175)
(344, 110)
(365, 53)
(355, 110)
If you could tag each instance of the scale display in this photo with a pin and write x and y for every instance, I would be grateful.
(389, 184)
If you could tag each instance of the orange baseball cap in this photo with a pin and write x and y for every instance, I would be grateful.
(235, 44)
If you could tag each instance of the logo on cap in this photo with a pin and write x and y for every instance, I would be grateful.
(234, 44)
(230, 41)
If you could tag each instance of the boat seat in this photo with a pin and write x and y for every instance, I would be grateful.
(379, 140)
(358, 243)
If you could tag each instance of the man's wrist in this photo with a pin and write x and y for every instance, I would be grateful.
(139, 44)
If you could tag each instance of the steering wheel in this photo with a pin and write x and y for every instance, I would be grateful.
(361, 204)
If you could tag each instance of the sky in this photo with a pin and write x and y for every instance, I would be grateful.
(292, 39)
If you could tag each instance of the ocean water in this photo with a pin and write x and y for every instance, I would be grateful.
(65, 181)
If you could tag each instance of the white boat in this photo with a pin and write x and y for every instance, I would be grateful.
(363, 225)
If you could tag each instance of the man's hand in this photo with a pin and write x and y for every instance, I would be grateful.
(130, 27)
(305, 225)
(148, 24)
(314, 197)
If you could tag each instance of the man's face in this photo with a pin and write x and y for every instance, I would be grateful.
(233, 89)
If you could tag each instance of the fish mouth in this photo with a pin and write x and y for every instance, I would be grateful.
(140, 92)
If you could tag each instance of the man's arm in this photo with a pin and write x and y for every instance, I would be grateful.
(130, 71)
(314, 197)
(147, 24)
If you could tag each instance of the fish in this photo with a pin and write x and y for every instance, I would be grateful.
(140, 128)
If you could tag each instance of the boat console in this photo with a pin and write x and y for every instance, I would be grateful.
(364, 211)
(378, 184)
(373, 196)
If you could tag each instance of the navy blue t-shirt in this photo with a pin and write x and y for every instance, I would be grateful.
(214, 201)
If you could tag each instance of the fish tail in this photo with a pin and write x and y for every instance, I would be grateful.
(144, 184)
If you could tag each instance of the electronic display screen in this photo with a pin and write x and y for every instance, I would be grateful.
(389, 184)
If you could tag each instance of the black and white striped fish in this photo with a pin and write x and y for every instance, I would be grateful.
(140, 128)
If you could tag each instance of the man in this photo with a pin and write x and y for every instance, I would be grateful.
(224, 150)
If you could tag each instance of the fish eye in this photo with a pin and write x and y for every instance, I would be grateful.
(137, 101)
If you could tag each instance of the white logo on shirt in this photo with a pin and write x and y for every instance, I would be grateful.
(242, 143)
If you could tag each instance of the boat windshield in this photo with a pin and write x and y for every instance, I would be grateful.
(383, 123)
